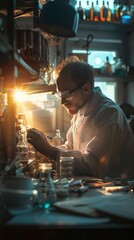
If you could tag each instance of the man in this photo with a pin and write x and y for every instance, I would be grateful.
(99, 138)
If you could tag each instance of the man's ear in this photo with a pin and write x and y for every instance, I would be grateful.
(87, 88)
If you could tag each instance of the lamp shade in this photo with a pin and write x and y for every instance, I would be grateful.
(59, 18)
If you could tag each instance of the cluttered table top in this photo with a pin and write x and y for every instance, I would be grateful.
(91, 203)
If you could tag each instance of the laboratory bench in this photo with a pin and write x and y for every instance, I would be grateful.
(95, 212)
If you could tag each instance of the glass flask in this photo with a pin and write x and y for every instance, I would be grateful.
(45, 187)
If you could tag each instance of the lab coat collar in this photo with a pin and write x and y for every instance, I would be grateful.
(92, 103)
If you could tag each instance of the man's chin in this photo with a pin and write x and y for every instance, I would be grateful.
(72, 110)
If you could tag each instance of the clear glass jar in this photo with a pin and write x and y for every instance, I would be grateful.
(65, 167)
(61, 187)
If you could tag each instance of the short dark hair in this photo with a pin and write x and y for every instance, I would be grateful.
(79, 72)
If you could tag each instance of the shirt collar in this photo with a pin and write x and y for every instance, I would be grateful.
(92, 103)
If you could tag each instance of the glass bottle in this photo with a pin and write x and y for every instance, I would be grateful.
(109, 13)
(103, 12)
(119, 11)
(22, 122)
(87, 11)
(57, 140)
(120, 69)
(131, 12)
(108, 65)
(31, 149)
(91, 12)
(106, 68)
(114, 10)
(126, 14)
(31, 152)
(45, 187)
(22, 149)
(113, 65)
(80, 11)
(97, 12)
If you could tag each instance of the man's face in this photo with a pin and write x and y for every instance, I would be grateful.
(73, 97)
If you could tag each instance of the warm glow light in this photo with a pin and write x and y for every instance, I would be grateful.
(19, 95)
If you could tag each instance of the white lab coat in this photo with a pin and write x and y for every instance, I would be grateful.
(101, 140)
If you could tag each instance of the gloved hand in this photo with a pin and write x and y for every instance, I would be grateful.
(38, 140)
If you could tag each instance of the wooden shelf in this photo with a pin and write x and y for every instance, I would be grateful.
(37, 87)
(20, 4)
(26, 23)
(106, 26)
(107, 78)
